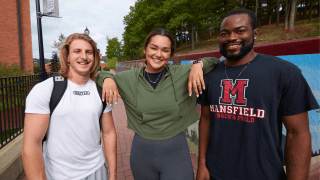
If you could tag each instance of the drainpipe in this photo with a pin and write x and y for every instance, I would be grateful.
(19, 29)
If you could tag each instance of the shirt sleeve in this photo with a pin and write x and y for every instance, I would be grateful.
(102, 76)
(209, 63)
(38, 99)
(297, 96)
(126, 82)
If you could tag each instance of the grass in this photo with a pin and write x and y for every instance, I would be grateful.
(267, 34)
(193, 147)
(193, 141)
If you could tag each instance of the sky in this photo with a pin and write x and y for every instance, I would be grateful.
(102, 17)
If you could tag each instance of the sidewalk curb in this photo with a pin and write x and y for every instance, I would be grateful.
(11, 166)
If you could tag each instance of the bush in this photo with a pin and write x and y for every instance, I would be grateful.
(194, 137)
(297, 33)
(112, 63)
(10, 97)
(314, 34)
(13, 70)
(185, 131)
(36, 69)
(106, 69)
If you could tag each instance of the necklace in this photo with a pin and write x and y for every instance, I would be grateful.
(225, 71)
(149, 77)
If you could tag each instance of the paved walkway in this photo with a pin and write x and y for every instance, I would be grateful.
(124, 140)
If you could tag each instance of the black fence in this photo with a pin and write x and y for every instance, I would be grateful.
(13, 93)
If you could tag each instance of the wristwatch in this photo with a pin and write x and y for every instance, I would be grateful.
(196, 61)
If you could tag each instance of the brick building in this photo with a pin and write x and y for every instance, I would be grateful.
(10, 28)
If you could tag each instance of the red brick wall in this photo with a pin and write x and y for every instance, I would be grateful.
(47, 68)
(9, 33)
(26, 34)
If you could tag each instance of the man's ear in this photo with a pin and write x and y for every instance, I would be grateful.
(256, 33)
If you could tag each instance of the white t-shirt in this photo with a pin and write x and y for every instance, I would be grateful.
(72, 149)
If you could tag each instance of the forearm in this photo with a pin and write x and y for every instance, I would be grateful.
(33, 162)
(298, 155)
(110, 146)
(102, 76)
(204, 139)
(209, 63)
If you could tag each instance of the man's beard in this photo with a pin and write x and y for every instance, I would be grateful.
(244, 50)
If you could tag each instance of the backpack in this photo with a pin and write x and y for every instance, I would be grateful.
(59, 87)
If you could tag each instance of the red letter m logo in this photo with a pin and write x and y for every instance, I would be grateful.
(233, 93)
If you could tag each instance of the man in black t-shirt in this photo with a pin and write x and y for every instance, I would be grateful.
(247, 98)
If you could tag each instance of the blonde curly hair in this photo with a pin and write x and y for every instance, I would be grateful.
(64, 53)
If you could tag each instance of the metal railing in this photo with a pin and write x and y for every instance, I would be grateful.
(127, 65)
(13, 93)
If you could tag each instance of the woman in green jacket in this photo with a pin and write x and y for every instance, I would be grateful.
(159, 107)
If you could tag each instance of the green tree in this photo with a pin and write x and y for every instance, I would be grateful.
(112, 63)
(114, 48)
(58, 43)
(144, 17)
(55, 64)
(196, 16)
(292, 14)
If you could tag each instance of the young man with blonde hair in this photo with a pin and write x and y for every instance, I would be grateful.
(72, 149)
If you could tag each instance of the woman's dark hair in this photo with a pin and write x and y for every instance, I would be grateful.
(161, 32)
(252, 17)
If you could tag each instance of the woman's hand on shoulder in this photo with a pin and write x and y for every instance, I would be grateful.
(196, 80)
(110, 91)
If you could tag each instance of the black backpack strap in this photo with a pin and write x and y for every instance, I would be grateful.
(100, 94)
(104, 104)
(59, 87)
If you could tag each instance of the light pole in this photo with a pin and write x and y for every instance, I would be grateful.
(86, 31)
(187, 41)
(43, 73)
